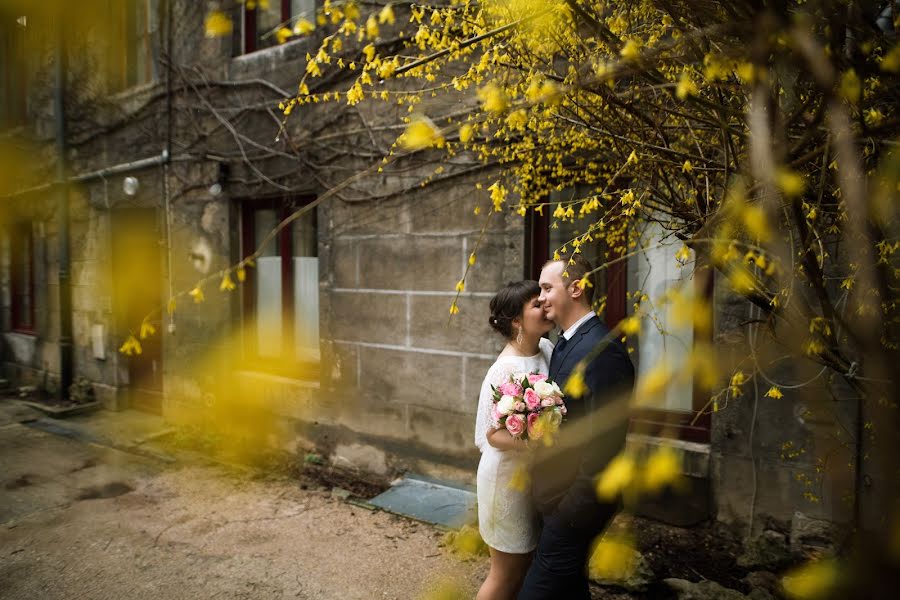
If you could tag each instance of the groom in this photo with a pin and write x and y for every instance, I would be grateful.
(594, 432)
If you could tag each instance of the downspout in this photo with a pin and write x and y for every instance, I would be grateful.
(64, 267)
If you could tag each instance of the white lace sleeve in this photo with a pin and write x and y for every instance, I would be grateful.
(497, 374)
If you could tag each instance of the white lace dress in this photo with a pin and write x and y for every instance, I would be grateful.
(507, 519)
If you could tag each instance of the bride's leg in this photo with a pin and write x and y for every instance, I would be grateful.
(505, 576)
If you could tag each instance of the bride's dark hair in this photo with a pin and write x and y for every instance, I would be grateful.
(509, 302)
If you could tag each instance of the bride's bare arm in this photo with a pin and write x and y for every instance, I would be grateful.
(501, 439)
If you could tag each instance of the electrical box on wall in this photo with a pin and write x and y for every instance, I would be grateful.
(98, 341)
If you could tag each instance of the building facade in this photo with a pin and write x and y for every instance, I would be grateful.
(337, 335)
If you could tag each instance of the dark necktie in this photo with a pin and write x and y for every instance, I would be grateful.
(557, 353)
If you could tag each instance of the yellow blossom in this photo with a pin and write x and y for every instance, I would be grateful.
(147, 329)
(454, 308)
(372, 27)
(131, 346)
(774, 392)
(386, 15)
(369, 51)
(683, 255)
(498, 195)
(849, 87)
(687, 167)
(465, 133)
(754, 218)
(663, 469)
(575, 386)
(493, 99)
(631, 325)
(460, 285)
(283, 34)
(197, 295)
(472, 259)
(631, 50)
(303, 27)
(520, 479)
(227, 284)
(617, 476)
(421, 133)
(632, 158)
(612, 558)
(811, 581)
(791, 183)
(217, 24)
(584, 282)
(685, 87)
(891, 61)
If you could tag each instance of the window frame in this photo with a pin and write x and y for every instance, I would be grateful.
(249, 34)
(19, 233)
(693, 426)
(14, 106)
(124, 20)
(287, 365)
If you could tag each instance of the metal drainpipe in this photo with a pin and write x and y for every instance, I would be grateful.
(64, 274)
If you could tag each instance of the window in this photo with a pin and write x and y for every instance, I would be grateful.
(21, 276)
(657, 272)
(652, 272)
(137, 24)
(281, 293)
(263, 17)
(13, 80)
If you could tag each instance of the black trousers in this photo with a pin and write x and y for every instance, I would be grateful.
(559, 568)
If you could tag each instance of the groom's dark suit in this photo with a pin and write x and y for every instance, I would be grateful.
(562, 482)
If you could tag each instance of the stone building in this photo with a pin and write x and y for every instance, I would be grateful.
(178, 166)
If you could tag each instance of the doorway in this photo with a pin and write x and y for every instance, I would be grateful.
(137, 293)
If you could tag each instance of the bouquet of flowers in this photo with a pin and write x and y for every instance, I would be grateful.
(529, 406)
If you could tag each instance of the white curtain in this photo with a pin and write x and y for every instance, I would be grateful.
(661, 340)
(306, 306)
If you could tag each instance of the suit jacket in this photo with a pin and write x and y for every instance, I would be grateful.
(595, 425)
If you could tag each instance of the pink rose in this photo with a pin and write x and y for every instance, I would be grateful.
(534, 432)
(558, 400)
(532, 399)
(535, 377)
(510, 388)
(515, 425)
(546, 402)
(519, 406)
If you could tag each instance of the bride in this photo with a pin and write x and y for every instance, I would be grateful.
(507, 518)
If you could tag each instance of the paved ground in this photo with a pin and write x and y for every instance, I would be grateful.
(83, 520)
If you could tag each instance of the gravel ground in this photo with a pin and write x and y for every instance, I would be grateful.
(79, 520)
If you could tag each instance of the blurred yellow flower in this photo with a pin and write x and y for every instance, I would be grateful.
(454, 308)
(791, 183)
(465, 133)
(685, 87)
(520, 479)
(849, 87)
(631, 325)
(197, 295)
(613, 558)
(147, 329)
(631, 50)
(421, 133)
(131, 346)
(227, 284)
(774, 392)
(371, 27)
(663, 469)
(217, 24)
(575, 386)
(283, 34)
(492, 98)
(810, 581)
(386, 15)
(303, 27)
(617, 476)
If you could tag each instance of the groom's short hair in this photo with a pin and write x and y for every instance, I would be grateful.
(575, 268)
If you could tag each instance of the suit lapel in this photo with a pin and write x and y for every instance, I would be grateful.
(558, 358)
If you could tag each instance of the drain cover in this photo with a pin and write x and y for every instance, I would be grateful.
(425, 499)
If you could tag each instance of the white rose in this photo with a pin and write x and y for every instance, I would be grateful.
(544, 389)
(506, 405)
(556, 389)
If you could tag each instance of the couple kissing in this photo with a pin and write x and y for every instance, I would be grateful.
(540, 528)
